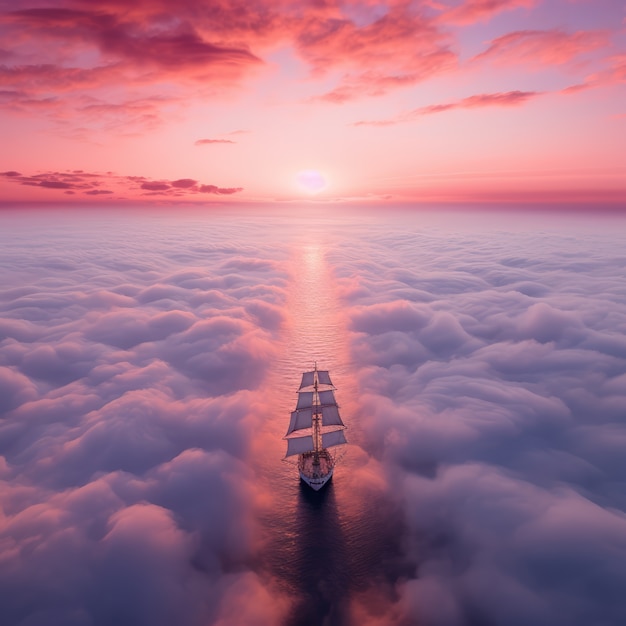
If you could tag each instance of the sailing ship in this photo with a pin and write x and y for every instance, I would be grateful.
(317, 413)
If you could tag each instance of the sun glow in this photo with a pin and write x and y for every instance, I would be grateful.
(311, 181)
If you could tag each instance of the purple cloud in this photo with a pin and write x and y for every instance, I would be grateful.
(184, 183)
(493, 400)
(155, 186)
(143, 369)
(219, 190)
(89, 183)
(126, 385)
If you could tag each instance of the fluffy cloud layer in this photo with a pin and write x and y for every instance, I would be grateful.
(485, 480)
(492, 368)
(128, 356)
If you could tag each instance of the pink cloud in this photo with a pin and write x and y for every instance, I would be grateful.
(551, 47)
(510, 98)
(178, 47)
(400, 48)
(614, 74)
(400, 38)
(123, 47)
(472, 11)
(203, 142)
(379, 52)
(370, 83)
(506, 99)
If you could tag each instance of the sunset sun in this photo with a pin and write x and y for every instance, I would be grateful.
(311, 181)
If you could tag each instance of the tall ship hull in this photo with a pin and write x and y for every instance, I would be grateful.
(315, 429)
(316, 471)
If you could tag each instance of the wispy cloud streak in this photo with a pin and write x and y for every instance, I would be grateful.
(507, 99)
(206, 142)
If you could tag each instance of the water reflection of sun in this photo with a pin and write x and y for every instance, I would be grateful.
(312, 256)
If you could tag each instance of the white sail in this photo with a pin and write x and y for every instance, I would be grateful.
(300, 419)
(298, 445)
(305, 400)
(323, 377)
(307, 379)
(327, 397)
(330, 416)
(336, 438)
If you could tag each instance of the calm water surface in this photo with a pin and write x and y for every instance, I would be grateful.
(326, 548)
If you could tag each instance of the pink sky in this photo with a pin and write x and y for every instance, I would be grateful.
(385, 102)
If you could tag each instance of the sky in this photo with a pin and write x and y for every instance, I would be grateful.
(149, 358)
(507, 101)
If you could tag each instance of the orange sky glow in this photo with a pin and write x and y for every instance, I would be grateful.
(360, 101)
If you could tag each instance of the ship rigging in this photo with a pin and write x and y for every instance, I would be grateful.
(317, 413)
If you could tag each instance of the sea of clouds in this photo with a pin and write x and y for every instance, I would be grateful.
(129, 346)
(491, 367)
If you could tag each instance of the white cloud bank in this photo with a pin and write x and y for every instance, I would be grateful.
(128, 356)
(493, 375)
(492, 370)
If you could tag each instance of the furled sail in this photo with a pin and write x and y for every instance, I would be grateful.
(298, 445)
(300, 419)
(335, 438)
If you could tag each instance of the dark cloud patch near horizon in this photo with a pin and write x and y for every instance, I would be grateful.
(55, 184)
(88, 183)
(184, 183)
(155, 186)
(491, 371)
(219, 190)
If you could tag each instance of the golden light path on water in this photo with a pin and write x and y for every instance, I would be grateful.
(324, 550)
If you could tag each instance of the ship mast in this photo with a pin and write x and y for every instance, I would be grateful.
(316, 409)
(317, 443)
